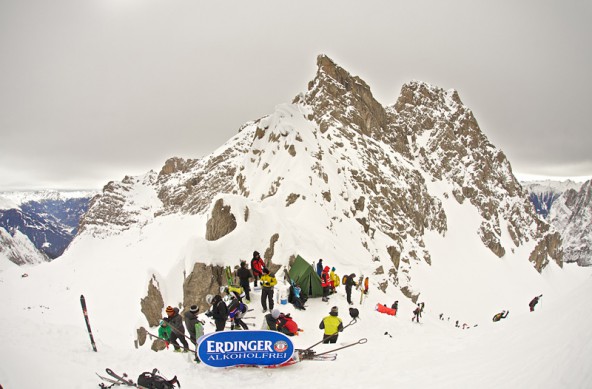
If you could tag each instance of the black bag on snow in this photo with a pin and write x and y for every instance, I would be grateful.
(153, 381)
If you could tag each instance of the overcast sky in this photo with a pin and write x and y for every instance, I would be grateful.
(93, 90)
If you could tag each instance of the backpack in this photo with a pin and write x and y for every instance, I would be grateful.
(354, 312)
(344, 279)
(152, 381)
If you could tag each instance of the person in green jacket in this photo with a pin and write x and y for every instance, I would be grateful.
(332, 325)
(164, 331)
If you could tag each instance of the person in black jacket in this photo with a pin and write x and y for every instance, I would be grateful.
(219, 312)
(244, 274)
(178, 330)
(190, 318)
(349, 283)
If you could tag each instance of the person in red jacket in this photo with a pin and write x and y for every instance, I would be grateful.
(257, 266)
(286, 325)
(326, 283)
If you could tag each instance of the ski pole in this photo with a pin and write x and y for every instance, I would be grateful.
(335, 334)
(164, 340)
(361, 341)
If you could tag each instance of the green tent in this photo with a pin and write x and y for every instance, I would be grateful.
(303, 274)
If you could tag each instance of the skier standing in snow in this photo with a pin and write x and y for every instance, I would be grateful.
(218, 311)
(257, 266)
(334, 280)
(326, 283)
(320, 267)
(350, 281)
(268, 281)
(534, 302)
(244, 274)
(178, 330)
(332, 325)
(191, 320)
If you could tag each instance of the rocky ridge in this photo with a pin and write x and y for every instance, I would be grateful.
(364, 169)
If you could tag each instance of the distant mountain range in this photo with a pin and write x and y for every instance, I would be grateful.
(49, 219)
(567, 206)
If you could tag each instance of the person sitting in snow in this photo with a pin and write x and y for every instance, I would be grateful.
(271, 318)
(296, 297)
(177, 329)
(286, 325)
(500, 316)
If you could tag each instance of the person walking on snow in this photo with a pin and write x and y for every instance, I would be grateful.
(257, 266)
(326, 283)
(244, 274)
(268, 281)
(177, 330)
(416, 313)
(500, 316)
(534, 302)
(332, 325)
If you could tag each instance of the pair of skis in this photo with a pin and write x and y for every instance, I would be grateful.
(115, 379)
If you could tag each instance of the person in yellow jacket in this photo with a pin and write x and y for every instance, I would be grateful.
(332, 325)
(334, 280)
(267, 281)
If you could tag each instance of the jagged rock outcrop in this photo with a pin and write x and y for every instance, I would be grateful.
(221, 223)
(152, 305)
(203, 280)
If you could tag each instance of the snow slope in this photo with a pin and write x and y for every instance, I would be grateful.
(48, 343)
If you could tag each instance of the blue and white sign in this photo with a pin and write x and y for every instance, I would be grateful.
(257, 347)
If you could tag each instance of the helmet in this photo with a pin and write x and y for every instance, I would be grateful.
(275, 313)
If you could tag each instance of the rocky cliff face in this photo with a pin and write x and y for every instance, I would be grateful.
(571, 215)
(365, 171)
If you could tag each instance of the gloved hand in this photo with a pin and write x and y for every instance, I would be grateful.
(209, 314)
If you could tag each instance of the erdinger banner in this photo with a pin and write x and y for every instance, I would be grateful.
(231, 348)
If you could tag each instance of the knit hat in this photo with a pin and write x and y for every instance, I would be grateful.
(194, 309)
(169, 310)
(332, 269)
(255, 253)
(275, 313)
(334, 311)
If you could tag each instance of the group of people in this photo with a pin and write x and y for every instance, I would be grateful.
(172, 328)
(331, 325)
(329, 279)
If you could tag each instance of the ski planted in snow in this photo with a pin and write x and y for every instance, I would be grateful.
(84, 311)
